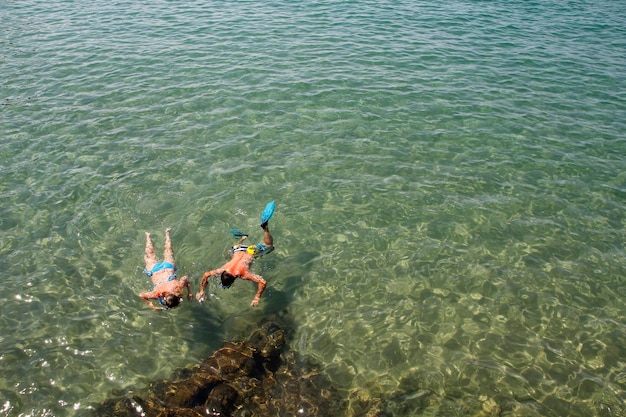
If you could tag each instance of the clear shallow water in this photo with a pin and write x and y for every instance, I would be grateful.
(449, 181)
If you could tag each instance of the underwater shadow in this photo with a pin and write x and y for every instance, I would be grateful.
(257, 375)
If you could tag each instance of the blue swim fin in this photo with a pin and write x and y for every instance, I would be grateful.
(237, 233)
(267, 212)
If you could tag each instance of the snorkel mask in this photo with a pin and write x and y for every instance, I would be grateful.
(167, 306)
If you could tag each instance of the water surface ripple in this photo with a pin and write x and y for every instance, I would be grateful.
(449, 177)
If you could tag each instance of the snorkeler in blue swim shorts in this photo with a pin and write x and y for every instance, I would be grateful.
(167, 289)
(239, 265)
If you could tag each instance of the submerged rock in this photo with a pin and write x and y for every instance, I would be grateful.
(255, 377)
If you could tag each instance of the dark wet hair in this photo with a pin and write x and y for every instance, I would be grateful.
(227, 279)
(170, 301)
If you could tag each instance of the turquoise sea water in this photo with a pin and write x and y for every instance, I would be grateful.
(450, 181)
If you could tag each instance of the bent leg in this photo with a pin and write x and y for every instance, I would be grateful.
(168, 254)
(149, 256)
(268, 240)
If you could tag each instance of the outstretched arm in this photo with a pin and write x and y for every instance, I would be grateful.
(147, 296)
(260, 282)
(204, 281)
(184, 282)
